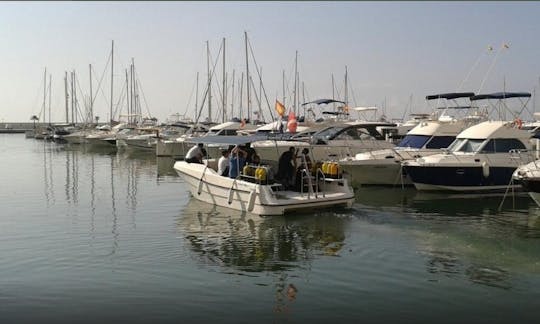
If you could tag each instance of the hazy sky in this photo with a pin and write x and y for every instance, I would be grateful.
(392, 50)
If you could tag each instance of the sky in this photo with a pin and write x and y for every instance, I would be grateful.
(395, 53)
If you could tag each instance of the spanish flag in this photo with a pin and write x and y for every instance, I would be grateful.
(280, 108)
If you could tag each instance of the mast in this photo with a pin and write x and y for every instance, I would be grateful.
(232, 92)
(260, 94)
(127, 96)
(44, 92)
(91, 96)
(346, 88)
(72, 97)
(131, 92)
(50, 82)
(209, 82)
(295, 80)
(241, 88)
(283, 86)
(112, 78)
(66, 96)
(333, 93)
(247, 77)
(224, 86)
(197, 96)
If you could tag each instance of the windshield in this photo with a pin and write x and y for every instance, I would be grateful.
(328, 132)
(414, 141)
(469, 145)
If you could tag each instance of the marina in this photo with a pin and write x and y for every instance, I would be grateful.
(90, 234)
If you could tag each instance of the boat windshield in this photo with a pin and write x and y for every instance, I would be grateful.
(467, 145)
(437, 142)
(328, 133)
(414, 141)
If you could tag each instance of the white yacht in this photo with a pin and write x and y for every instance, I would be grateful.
(482, 158)
(383, 167)
(332, 142)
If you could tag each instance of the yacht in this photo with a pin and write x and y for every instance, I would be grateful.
(383, 167)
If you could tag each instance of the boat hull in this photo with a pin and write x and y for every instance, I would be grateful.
(265, 200)
(460, 178)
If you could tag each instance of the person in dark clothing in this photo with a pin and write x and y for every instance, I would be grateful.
(286, 167)
(250, 153)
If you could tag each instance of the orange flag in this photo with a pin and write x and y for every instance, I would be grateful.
(280, 108)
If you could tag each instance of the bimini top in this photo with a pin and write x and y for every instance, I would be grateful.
(322, 101)
(501, 95)
(451, 95)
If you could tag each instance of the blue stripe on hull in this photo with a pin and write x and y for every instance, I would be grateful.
(460, 176)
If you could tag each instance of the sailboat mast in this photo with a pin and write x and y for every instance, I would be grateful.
(224, 86)
(295, 80)
(197, 96)
(44, 92)
(333, 93)
(209, 82)
(66, 96)
(72, 96)
(91, 114)
(232, 92)
(112, 78)
(283, 86)
(247, 76)
(127, 96)
(50, 82)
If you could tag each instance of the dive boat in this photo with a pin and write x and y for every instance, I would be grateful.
(260, 194)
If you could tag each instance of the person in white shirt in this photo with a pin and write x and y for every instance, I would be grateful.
(195, 154)
(223, 163)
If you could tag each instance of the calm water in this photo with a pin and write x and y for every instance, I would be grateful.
(104, 236)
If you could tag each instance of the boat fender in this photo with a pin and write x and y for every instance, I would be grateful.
(485, 169)
(251, 200)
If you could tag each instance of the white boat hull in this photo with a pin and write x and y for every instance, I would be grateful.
(206, 185)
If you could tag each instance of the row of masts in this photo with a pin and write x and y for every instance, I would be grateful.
(73, 113)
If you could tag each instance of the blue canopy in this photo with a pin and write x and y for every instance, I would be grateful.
(451, 95)
(322, 101)
(501, 95)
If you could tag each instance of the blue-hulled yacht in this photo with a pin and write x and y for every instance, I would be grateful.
(482, 158)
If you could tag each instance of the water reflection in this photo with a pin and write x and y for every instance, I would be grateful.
(476, 236)
(165, 166)
(248, 243)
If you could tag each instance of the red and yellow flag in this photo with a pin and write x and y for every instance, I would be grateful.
(280, 108)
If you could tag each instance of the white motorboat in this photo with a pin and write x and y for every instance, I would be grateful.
(528, 176)
(333, 142)
(482, 158)
(383, 167)
(260, 195)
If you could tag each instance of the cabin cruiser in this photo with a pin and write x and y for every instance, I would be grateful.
(383, 167)
(332, 142)
(256, 192)
(482, 158)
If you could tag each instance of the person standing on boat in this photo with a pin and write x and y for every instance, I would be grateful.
(237, 160)
(223, 163)
(287, 167)
(250, 153)
(195, 154)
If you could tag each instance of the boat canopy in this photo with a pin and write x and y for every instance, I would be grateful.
(451, 95)
(365, 108)
(322, 101)
(501, 95)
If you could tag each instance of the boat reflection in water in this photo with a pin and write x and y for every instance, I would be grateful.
(250, 243)
(462, 235)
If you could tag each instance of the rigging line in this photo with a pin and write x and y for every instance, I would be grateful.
(491, 66)
(190, 97)
(260, 79)
(139, 87)
(100, 81)
(120, 101)
(490, 49)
